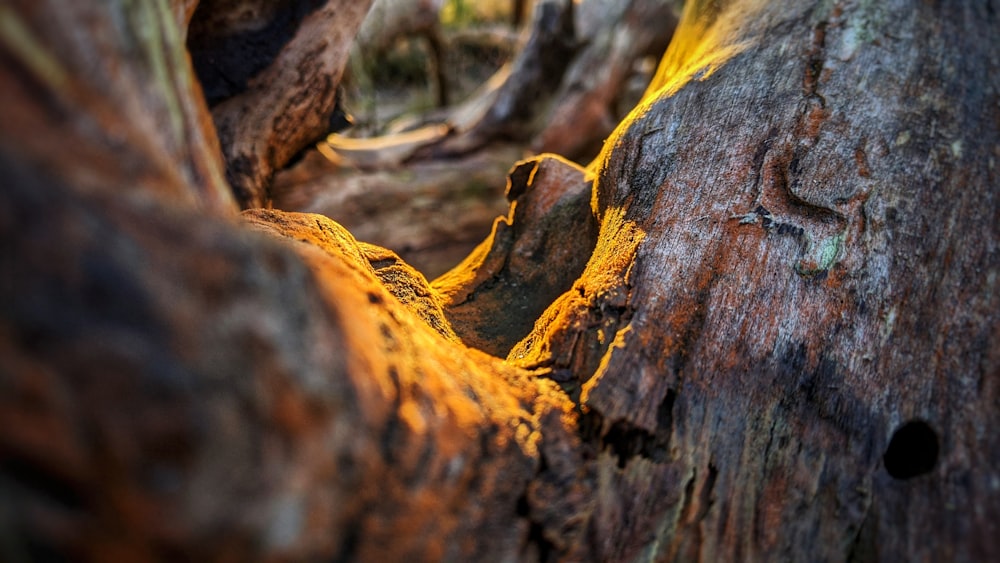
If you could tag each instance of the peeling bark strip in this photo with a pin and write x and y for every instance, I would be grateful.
(271, 69)
(180, 387)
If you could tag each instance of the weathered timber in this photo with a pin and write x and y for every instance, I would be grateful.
(180, 388)
(70, 104)
(797, 260)
(782, 344)
(270, 71)
(494, 296)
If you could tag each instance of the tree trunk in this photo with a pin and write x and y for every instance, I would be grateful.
(764, 326)
(270, 70)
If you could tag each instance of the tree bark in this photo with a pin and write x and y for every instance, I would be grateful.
(270, 70)
(70, 103)
(763, 326)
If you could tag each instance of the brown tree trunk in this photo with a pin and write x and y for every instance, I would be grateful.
(270, 70)
(765, 326)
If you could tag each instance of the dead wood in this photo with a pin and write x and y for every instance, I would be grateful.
(270, 72)
(781, 344)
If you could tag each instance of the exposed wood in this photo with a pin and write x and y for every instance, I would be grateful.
(493, 298)
(270, 70)
(797, 257)
(782, 344)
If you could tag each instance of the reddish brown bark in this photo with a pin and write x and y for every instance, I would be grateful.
(782, 344)
(69, 103)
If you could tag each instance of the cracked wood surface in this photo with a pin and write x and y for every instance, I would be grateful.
(769, 361)
(782, 344)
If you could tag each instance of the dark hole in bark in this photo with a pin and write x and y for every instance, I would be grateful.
(912, 451)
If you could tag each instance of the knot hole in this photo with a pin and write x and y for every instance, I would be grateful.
(913, 450)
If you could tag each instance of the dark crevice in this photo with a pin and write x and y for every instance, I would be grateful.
(349, 543)
(705, 500)
(688, 494)
(536, 533)
(627, 441)
(43, 482)
(383, 263)
(757, 164)
(393, 430)
(537, 537)
(665, 415)
(863, 548)
(815, 62)
(913, 451)
(591, 423)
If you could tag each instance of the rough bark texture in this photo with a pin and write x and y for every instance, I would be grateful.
(797, 256)
(178, 387)
(230, 401)
(493, 297)
(782, 344)
(70, 104)
(270, 70)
